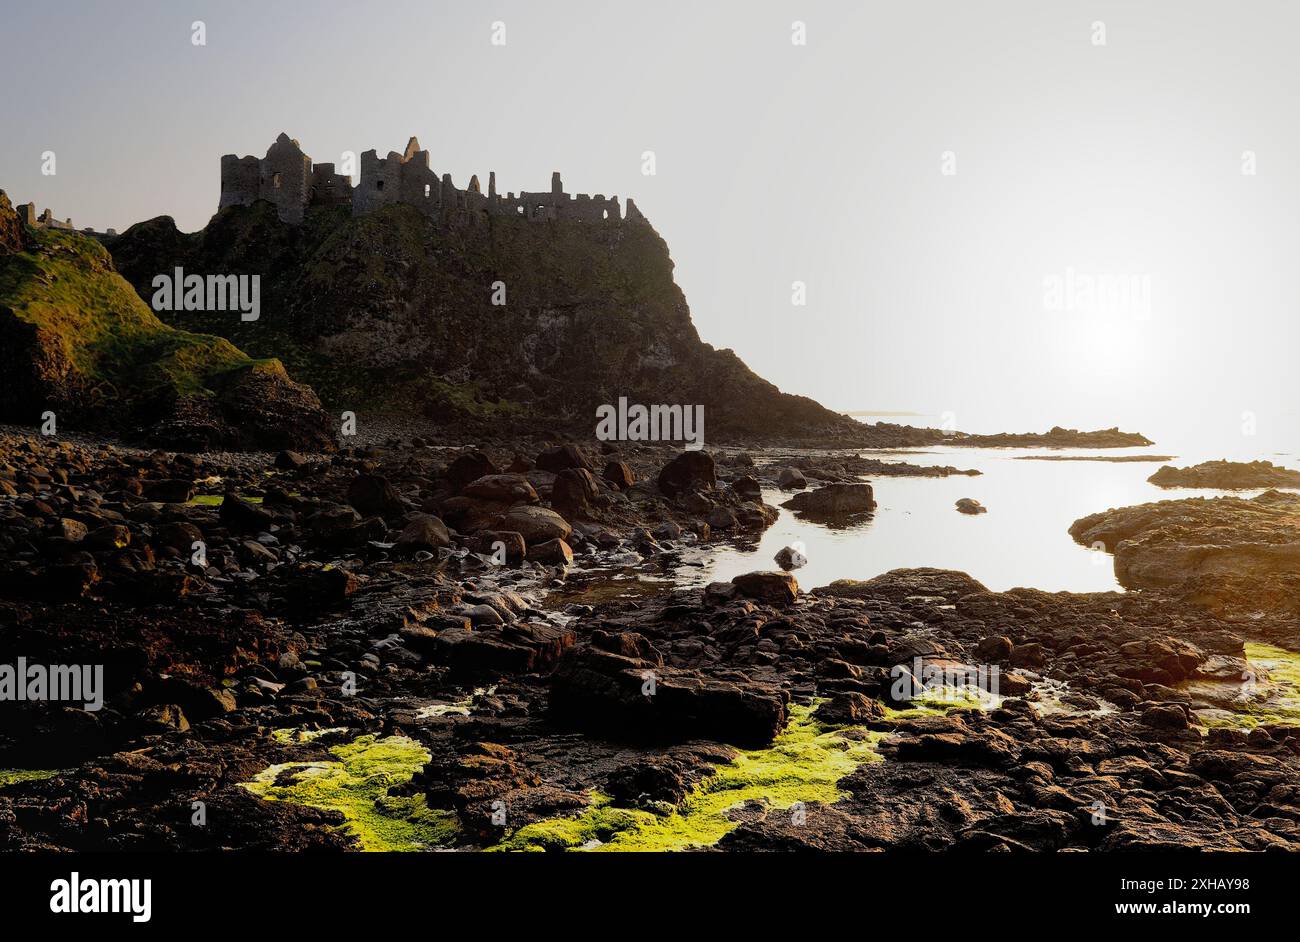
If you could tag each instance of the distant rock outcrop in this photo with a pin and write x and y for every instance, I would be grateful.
(1228, 475)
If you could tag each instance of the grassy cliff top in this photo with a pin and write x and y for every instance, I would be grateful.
(65, 285)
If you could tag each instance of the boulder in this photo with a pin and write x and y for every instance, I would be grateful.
(969, 505)
(534, 524)
(689, 471)
(551, 553)
(506, 488)
(469, 467)
(790, 558)
(562, 458)
(834, 500)
(495, 542)
(424, 532)
(619, 474)
(633, 698)
(574, 491)
(771, 588)
(791, 479)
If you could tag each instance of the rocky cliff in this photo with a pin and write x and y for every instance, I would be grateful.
(393, 312)
(77, 341)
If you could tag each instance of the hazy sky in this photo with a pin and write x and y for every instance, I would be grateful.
(822, 163)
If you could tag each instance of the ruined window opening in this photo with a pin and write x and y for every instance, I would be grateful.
(426, 191)
(275, 180)
(379, 184)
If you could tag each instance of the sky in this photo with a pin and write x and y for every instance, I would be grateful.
(944, 179)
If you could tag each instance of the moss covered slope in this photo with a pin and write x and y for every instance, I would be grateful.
(79, 341)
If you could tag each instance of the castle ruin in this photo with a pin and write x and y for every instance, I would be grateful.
(27, 213)
(287, 178)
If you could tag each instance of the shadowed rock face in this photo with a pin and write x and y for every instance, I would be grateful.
(1228, 553)
(392, 310)
(76, 340)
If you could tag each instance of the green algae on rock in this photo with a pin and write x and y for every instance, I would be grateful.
(357, 785)
(804, 764)
(1270, 699)
(14, 776)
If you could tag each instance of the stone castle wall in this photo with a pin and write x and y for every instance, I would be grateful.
(287, 178)
(45, 220)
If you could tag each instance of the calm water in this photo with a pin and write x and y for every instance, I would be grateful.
(1023, 540)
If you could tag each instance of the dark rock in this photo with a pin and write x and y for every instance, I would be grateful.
(243, 517)
(689, 471)
(619, 474)
(772, 588)
(834, 500)
(551, 553)
(424, 532)
(372, 494)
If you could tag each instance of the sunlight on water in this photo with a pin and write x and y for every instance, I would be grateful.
(1023, 540)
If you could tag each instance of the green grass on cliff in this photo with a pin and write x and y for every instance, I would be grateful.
(66, 286)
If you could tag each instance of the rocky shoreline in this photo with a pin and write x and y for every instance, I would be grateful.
(406, 646)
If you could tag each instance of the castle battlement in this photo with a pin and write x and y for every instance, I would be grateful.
(287, 178)
(45, 220)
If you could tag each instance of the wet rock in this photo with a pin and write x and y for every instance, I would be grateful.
(290, 460)
(551, 553)
(508, 545)
(790, 558)
(834, 500)
(424, 532)
(969, 505)
(690, 471)
(791, 479)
